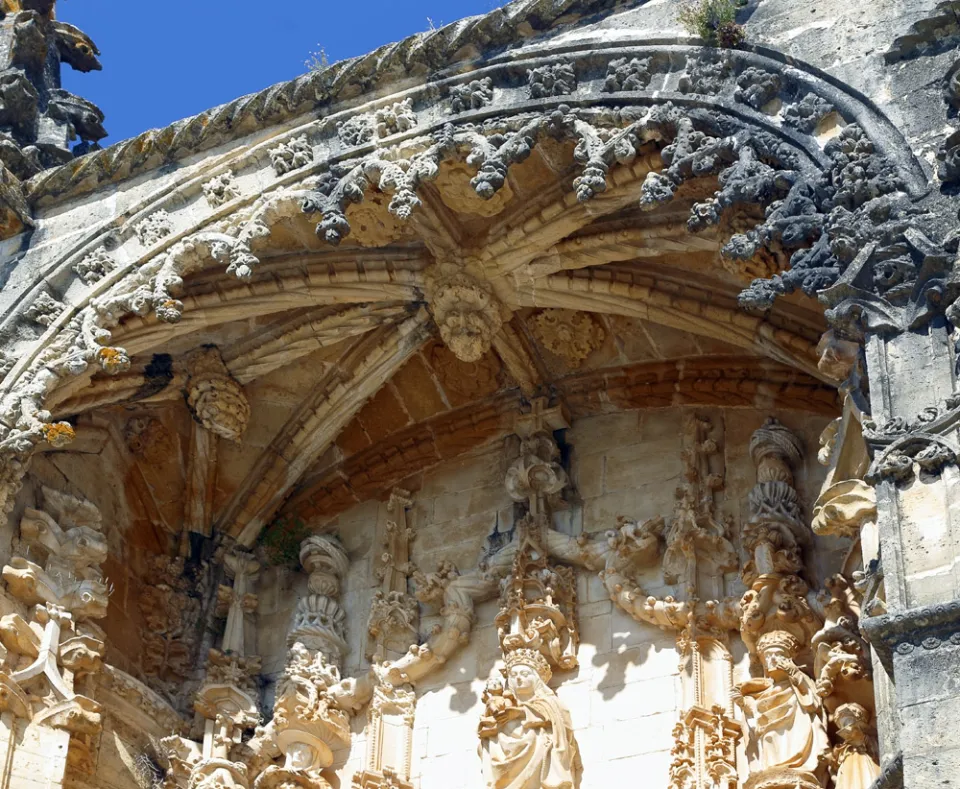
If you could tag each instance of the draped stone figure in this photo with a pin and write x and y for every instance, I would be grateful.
(785, 718)
(526, 736)
(855, 756)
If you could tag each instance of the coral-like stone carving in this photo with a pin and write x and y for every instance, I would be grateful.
(526, 735)
(396, 118)
(474, 95)
(95, 266)
(466, 311)
(226, 701)
(66, 537)
(311, 715)
(214, 396)
(623, 74)
(388, 758)
(291, 155)
(153, 228)
(307, 725)
(538, 602)
(805, 114)
(757, 87)
(458, 193)
(57, 653)
(45, 309)
(34, 133)
(706, 73)
(361, 129)
(221, 189)
(784, 709)
(555, 79)
(696, 542)
(170, 605)
(373, 225)
(705, 744)
(571, 335)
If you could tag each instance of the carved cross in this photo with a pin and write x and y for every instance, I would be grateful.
(539, 418)
(396, 558)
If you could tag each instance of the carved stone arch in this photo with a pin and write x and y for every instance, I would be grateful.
(695, 107)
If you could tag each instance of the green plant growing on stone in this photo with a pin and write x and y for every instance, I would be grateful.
(318, 60)
(281, 540)
(715, 21)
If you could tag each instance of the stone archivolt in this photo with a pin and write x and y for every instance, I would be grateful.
(600, 147)
(836, 220)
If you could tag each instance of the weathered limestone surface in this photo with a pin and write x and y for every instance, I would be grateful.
(548, 400)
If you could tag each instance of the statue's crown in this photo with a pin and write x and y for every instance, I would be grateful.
(531, 658)
(779, 638)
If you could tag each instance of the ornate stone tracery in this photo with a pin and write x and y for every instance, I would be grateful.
(480, 197)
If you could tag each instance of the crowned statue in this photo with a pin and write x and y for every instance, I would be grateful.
(526, 736)
(785, 718)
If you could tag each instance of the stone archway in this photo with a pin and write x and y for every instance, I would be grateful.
(514, 212)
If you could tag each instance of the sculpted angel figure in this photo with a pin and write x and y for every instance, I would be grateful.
(526, 736)
(785, 717)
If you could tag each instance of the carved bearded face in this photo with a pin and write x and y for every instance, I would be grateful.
(776, 659)
(467, 315)
(523, 681)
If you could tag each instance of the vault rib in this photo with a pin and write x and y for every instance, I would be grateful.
(364, 368)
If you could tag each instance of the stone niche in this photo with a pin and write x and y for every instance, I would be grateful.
(628, 690)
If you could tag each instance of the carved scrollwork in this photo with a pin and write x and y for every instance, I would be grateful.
(918, 452)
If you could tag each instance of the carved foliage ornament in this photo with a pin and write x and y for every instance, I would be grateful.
(762, 171)
(571, 335)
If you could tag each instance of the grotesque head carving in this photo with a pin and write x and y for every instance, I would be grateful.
(467, 313)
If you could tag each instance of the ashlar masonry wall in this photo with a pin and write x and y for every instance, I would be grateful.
(626, 695)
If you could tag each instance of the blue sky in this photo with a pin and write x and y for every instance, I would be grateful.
(167, 60)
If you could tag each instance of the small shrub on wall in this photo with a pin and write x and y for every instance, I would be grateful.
(281, 540)
(715, 21)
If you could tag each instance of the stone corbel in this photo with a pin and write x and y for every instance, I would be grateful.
(215, 398)
(849, 509)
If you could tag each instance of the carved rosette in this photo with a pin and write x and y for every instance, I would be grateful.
(215, 398)
(466, 312)
(571, 335)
